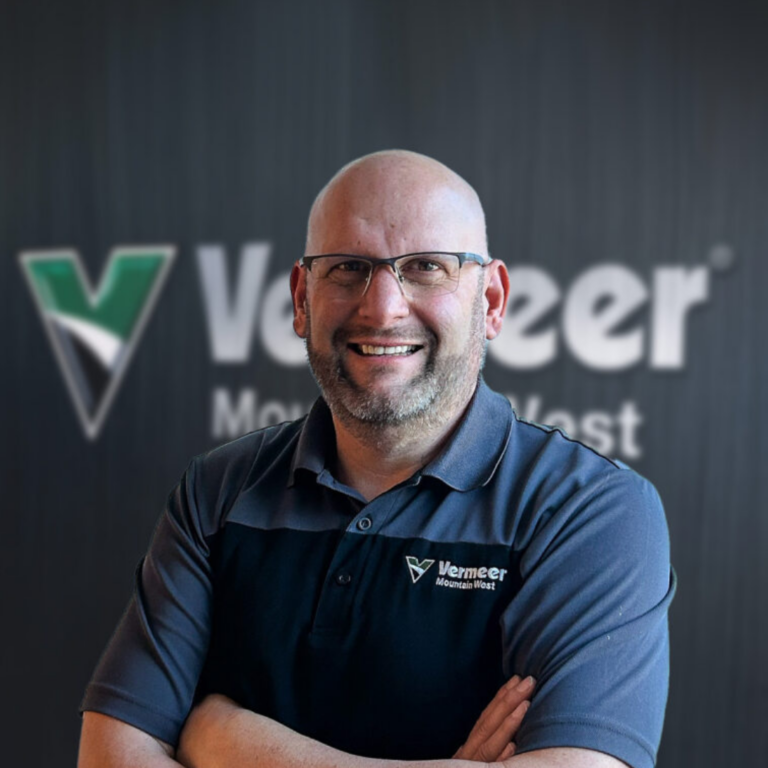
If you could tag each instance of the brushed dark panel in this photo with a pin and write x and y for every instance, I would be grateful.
(594, 132)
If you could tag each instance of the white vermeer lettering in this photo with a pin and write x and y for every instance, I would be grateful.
(447, 568)
(599, 301)
(236, 414)
(231, 322)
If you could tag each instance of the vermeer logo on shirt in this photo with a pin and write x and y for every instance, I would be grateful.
(458, 576)
(417, 568)
(463, 577)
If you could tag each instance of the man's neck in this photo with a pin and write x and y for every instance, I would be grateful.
(372, 458)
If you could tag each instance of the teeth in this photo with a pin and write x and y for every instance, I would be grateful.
(368, 349)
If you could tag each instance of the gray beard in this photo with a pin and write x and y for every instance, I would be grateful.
(427, 401)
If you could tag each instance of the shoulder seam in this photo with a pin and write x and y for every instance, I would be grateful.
(250, 468)
(225, 513)
(549, 429)
(268, 428)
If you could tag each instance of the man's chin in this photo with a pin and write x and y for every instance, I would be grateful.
(383, 403)
(376, 398)
(382, 382)
(382, 411)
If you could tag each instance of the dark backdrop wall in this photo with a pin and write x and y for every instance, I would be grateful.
(620, 151)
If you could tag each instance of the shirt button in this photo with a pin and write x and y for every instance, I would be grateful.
(364, 523)
(342, 579)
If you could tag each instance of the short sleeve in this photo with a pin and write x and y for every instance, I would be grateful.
(590, 621)
(148, 674)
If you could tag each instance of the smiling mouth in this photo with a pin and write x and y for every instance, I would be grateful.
(367, 350)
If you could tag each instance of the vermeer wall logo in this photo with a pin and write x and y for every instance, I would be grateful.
(611, 319)
(93, 333)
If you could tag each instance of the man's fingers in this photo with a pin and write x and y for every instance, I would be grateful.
(508, 752)
(495, 746)
(488, 721)
(511, 684)
(507, 699)
(511, 724)
(507, 696)
(499, 721)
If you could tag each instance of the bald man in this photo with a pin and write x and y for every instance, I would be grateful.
(354, 588)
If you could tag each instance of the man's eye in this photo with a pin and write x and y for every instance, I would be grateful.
(422, 265)
(348, 266)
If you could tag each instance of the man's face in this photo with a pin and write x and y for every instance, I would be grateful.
(351, 353)
(351, 342)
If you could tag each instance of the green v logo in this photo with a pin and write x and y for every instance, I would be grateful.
(94, 333)
(416, 567)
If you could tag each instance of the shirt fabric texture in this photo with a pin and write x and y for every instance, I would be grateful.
(384, 628)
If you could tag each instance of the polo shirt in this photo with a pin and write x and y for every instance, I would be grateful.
(383, 628)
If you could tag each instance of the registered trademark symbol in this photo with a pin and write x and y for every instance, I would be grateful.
(721, 257)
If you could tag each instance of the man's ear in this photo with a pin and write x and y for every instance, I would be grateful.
(496, 295)
(299, 296)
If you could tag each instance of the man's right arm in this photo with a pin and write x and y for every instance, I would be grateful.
(148, 674)
(106, 742)
(109, 743)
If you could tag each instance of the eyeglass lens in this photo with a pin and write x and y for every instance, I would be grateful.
(419, 274)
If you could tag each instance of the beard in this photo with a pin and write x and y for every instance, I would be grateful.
(428, 399)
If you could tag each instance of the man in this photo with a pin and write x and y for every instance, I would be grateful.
(354, 587)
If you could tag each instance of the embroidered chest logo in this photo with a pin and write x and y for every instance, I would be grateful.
(417, 568)
(456, 576)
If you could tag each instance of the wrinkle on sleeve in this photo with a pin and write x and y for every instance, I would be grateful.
(590, 622)
(148, 673)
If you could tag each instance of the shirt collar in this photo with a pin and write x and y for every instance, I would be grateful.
(317, 441)
(468, 460)
(475, 449)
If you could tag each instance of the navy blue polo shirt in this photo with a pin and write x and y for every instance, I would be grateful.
(383, 628)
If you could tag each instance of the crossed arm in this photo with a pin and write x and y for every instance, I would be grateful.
(219, 734)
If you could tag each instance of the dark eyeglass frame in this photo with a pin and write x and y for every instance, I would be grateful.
(463, 256)
(392, 263)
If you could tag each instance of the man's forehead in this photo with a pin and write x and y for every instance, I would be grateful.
(396, 202)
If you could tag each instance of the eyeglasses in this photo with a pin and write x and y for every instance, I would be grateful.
(422, 274)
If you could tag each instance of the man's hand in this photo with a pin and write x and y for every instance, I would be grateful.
(491, 737)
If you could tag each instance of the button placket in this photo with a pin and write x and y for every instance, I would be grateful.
(346, 571)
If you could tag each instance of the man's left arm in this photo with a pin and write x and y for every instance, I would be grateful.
(590, 623)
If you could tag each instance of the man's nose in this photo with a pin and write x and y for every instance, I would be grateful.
(384, 300)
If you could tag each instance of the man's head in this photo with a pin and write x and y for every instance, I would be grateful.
(395, 356)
